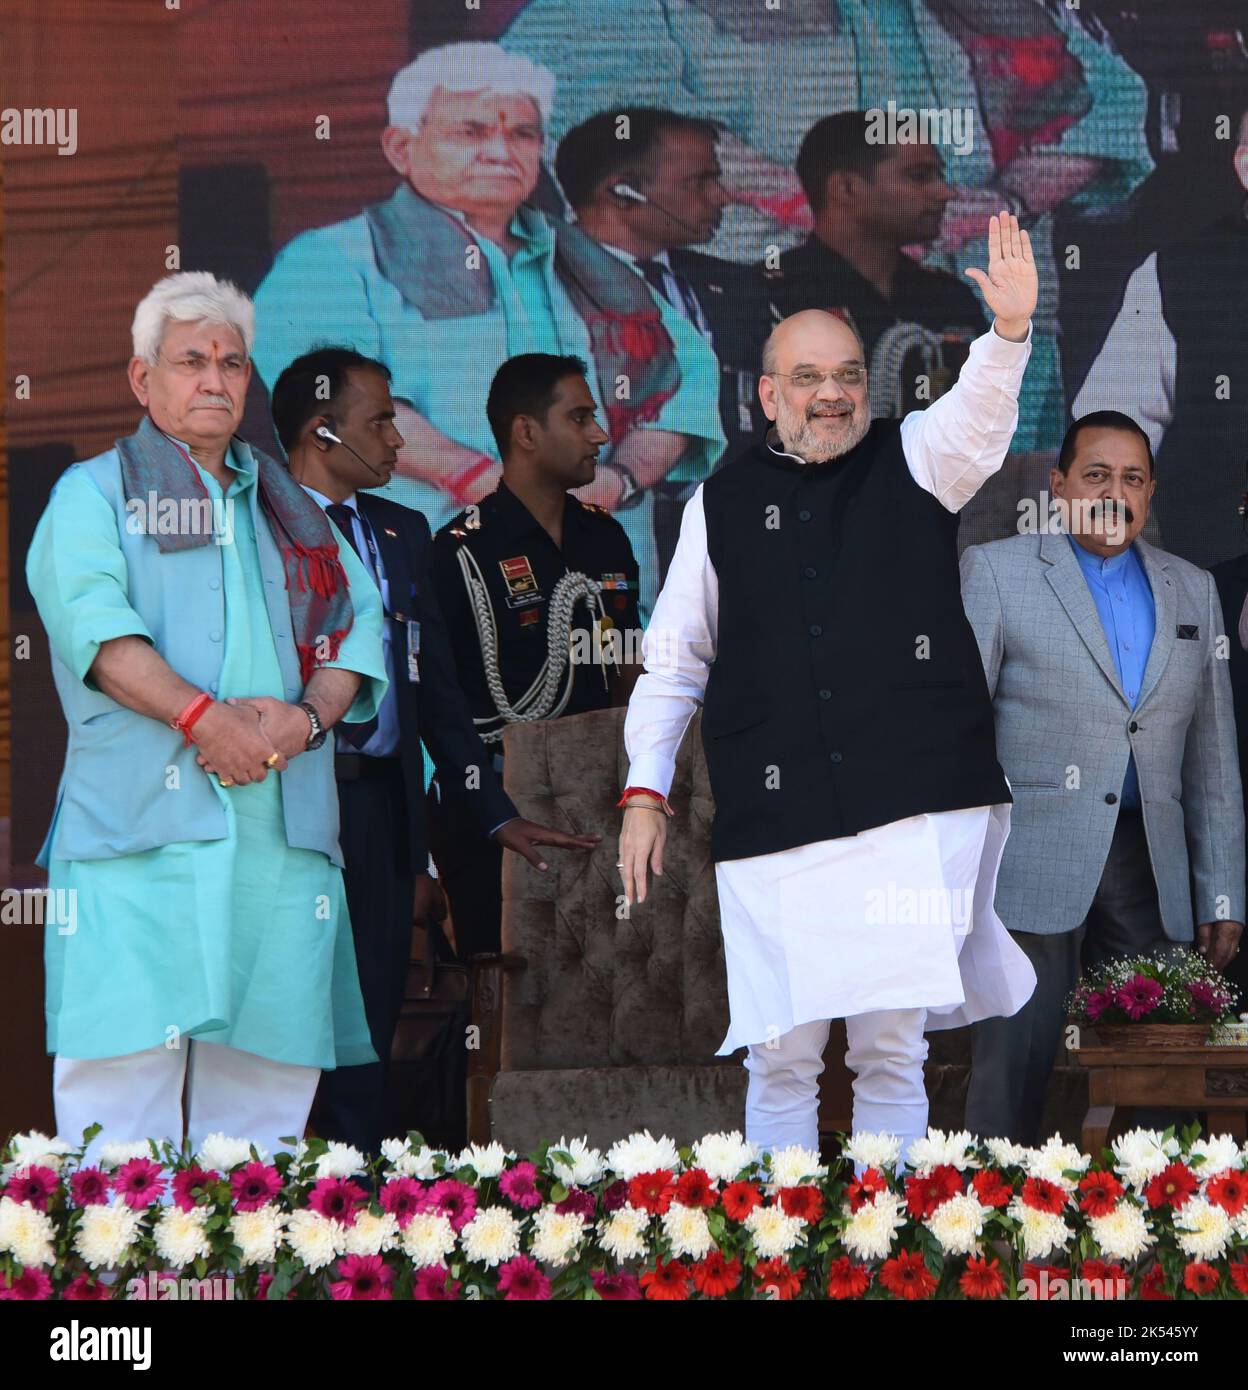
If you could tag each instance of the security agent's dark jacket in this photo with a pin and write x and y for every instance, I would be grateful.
(434, 709)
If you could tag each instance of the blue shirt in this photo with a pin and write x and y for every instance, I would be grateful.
(1124, 599)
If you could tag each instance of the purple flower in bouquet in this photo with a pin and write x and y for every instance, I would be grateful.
(615, 1196)
(35, 1184)
(89, 1187)
(1139, 996)
(578, 1202)
(455, 1200)
(139, 1182)
(337, 1199)
(519, 1185)
(615, 1286)
(254, 1185)
(520, 1278)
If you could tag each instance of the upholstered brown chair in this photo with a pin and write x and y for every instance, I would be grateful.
(592, 1021)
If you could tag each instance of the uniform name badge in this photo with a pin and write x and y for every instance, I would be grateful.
(413, 650)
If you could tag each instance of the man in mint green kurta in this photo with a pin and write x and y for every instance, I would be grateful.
(211, 921)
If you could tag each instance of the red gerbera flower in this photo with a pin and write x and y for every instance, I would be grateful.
(362, 1277)
(1229, 1191)
(667, 1282)
(1200, 1277)
(615, 1287)
(777, 1280)
(1238, 1270)
(1153, 1286)
(804, 1201)
(1043, 1195)
(714, 1276)
(695, 1189)
(188, 1182)
(1045, 1279)
(1172, 1186)
(520, 1279)
(1101, 1191)
(653, 1192)
(991, 1188)
(982, 1279)
(138, 1182)
(254, 1185)
(906, 1276)
(863, 1190)
(35, 1184)
(920, 1197)
(1107, 1277)
(739, 1199)
(338, 1199)
(846, 1279)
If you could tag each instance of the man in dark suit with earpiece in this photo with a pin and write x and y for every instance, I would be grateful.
(335, 417)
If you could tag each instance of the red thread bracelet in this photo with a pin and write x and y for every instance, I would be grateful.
(185, 721)
(646, 791)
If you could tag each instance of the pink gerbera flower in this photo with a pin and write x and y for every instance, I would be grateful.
(431, 1284)
(520, 1278)
(338, 1199)
(362, 1277)
(85, 1288)
(455, 1200)
(1097, 1002)
(1139, 996)
(139, 1182)
(34, 1184)
(403, 1198)
(188, 1183)
(519, 1185)
(89, 1187)
(31, 1286)
(254, 1185)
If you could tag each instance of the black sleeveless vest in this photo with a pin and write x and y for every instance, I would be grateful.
(1200, 464)
(847, 689)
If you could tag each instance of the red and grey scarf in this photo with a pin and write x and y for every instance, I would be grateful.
(154, 466)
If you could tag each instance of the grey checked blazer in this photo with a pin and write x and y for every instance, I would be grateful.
(1065, 732)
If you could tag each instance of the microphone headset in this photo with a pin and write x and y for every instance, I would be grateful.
(631, 195)
(322, 433)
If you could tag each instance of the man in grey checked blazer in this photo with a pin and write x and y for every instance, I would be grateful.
(1106, 662)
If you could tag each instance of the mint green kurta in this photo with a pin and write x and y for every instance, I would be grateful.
(244, 940)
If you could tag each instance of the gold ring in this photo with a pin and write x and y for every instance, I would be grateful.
(226, 781)
(271, 760)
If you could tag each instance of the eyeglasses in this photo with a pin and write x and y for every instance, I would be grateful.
(809, 379)
(232, 365)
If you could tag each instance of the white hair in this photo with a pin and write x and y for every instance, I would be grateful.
(191, 296)
(467, 67)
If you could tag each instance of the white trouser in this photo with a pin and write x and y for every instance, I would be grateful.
(139, 1096)
(886, 1053)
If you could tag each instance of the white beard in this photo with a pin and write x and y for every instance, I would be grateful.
(800, 437)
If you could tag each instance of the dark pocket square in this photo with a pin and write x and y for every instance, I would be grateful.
(1189, 631)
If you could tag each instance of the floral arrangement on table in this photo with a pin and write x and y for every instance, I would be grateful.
(1156, 1217)
(1175, 989)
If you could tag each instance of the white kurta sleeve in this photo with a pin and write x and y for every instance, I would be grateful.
(677, 650)
(1134, 370)
(961, 439)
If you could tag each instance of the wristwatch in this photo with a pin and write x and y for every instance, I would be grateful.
(319, 732)
(632, 494)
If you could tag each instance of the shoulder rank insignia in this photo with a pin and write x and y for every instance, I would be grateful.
(594, 507)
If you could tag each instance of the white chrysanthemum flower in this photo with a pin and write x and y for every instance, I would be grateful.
(223, 1152)
(873, 1150)
(486, 1160)
(642, 1153)
(870, 1230)
(1202, 1229)
(1220, 1154)
(257, 1234)
(315, 1239)
(180, 1235)
(410, 1163)
(555, 1236)
(491, 1237)
(1240, 1224)
(1053, 1159)
(1124, 1233)
(958, 1223)
(428, 1238)
(937, 1149)
(26, 1232)
(623, 1233)
(1043, 1231)
(371, 1235)
(794, 1165)
(722, 1156)
(774, 1231)
(586, 1165)
(1140, 1155)
(121, 1151)
(340, 1161)
(35, 1148)
(107, 1232)
(1006, 1154)
(688, 1230)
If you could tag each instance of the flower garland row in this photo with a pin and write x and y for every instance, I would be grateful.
(1158, 1217)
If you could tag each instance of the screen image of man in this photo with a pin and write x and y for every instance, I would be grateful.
(813, 610)
(207, 632)
(460, 269)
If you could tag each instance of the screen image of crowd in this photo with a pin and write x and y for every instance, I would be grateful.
(699, 357)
